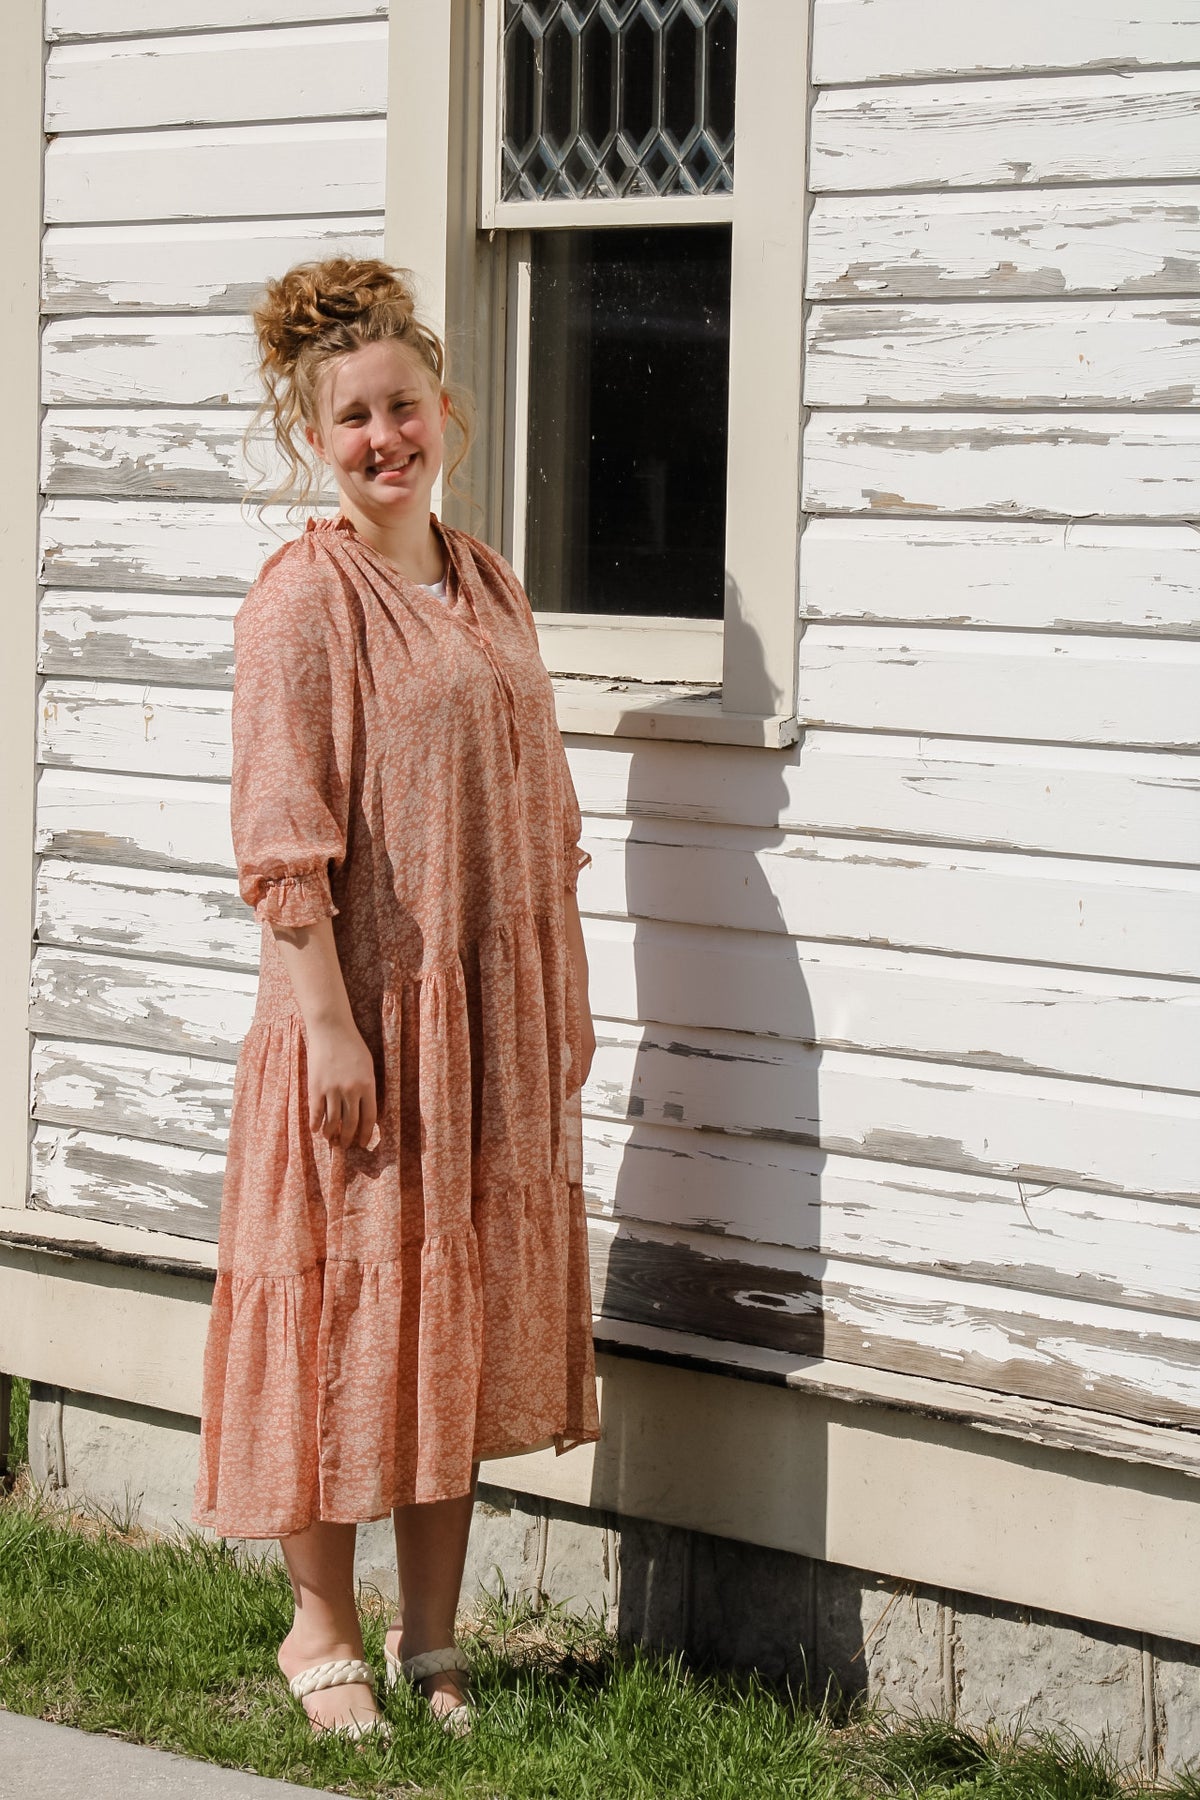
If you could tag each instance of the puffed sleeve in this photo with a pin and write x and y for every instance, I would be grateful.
(292, 737)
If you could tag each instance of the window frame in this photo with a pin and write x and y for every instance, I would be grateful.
(725, 681)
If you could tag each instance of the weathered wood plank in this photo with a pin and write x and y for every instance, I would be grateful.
(176, 917)
(1037, 909)
(177, 360)
(157, 1006)
(992, 1015)
(1135, 693)
(155, 637)
(322, 70)
(1136, 127)
(1044, 466)
(1090, 576)
(121, 454)
(116, 18)
(182, 1100)
(1122, 1251)
(116, 725)
(897, 40)
(153, 545)
(218, 266)
(891, 1109)
(896, 1109)
(1118, 1028)
(1059, 910)
(1014, 245)
(128, 819)
(1039, 353)
(1085, 1355)
(124, 1181)
(232, 171)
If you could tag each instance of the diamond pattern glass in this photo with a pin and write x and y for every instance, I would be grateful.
(615, 98)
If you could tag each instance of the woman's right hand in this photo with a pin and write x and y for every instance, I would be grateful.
(341, 1085)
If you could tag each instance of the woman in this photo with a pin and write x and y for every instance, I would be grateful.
(402, 1285)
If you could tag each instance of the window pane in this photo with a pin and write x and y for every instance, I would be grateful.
(617, 97)
(628, 410)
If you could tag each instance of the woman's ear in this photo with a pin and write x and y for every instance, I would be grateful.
(314, 439)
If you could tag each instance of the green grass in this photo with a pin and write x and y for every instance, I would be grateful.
(173, 1643)
(18, 1420)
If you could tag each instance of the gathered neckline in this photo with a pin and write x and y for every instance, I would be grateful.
(345, 525)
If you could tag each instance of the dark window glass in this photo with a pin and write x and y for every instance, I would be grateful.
(628, 406)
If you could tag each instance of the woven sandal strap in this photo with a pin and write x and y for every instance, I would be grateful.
(329, 1674)
(433, 1662)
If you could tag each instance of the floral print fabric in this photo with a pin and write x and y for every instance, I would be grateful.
(384, 1318)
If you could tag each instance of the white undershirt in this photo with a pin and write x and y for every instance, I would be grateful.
(436, 588)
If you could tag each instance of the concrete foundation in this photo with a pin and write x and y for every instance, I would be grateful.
(724, 1603)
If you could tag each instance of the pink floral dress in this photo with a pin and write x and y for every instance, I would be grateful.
(383, 1318)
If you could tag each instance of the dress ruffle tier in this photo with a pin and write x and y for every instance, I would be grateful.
(384, 1318)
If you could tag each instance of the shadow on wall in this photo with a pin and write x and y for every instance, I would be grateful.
(713, 1203)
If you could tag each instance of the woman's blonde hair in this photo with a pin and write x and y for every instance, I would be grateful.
(315, 313)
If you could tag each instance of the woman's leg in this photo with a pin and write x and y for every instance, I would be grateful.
(326, 1628)
(431, 1553)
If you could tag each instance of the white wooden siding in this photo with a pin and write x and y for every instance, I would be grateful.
(898, 1032)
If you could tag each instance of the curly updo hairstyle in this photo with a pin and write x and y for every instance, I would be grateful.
(315, 313)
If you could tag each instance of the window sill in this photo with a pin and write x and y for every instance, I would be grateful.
(599, 707)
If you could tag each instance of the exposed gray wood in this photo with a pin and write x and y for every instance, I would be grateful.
(149, 1094)
(115, 18)
(177, 360)
(323, 70)
(896, 40)
(149, 822)
(179, 456)
(231, 171)
(1123, 1251)
(1042, 1132)
(1088, 576)
(1134, 693)
(124, 1182)
(156, 1006)
(178, 917)
(1079, 353)
(159, 545)
(1135, 127)
(217, 266)
(156, 637)
(1014, 245)
(1044, 466)
(1098, 1358)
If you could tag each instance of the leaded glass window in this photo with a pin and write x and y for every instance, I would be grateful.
(617, 98)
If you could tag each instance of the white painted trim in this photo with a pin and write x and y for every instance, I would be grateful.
(645, 209)
(855, 1481)
(21, 145)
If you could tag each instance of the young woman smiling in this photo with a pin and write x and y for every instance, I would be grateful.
(402, 1285)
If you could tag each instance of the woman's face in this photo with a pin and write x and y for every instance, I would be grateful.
(383, 417)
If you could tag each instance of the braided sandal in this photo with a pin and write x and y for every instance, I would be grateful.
(336, 1674)
(459, 1719)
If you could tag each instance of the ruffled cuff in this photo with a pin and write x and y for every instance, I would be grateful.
(290, 900)
(577, 860)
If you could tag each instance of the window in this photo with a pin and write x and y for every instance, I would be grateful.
(619, 216)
